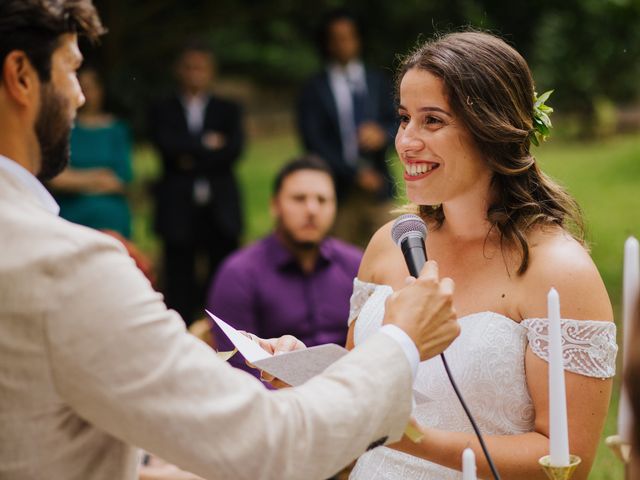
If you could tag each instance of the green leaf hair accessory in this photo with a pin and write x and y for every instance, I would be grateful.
(541, 121)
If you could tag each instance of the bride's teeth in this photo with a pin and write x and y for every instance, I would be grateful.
(415, 169)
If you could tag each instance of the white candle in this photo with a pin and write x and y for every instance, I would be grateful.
(468, 465)
(630, 287)
(558, 432)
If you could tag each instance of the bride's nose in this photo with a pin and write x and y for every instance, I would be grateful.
(407, 140)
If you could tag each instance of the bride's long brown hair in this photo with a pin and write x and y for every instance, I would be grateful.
(489, 87)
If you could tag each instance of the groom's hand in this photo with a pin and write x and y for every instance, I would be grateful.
(424, 310)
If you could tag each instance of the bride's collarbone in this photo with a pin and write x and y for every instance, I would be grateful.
(481, 283)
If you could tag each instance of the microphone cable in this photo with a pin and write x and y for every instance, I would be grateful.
(476, 429)
(409, 232)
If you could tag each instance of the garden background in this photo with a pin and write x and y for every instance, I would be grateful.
(587, 51)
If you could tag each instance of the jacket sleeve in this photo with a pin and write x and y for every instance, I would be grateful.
(176, 143)
(221, 160)
(124, 363)
(317, 136)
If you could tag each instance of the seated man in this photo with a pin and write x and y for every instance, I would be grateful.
(297, 280)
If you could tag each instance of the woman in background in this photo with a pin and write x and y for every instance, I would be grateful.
(91, 191)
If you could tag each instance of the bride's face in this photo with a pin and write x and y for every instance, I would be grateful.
(441, 162)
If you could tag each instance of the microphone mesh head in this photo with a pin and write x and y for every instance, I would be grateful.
(408, 225)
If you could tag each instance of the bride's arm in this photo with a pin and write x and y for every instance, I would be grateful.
(516, 456)
(376, 267)
(569, 269)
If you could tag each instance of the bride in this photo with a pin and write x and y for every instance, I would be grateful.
(503, 231)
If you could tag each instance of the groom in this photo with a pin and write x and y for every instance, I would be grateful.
(92, 362)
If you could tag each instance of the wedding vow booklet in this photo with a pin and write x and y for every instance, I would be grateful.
(294, 368)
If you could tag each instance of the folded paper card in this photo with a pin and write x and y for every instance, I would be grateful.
(293, 368)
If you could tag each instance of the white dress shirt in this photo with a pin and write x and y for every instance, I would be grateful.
(344, 81)
(25, 177)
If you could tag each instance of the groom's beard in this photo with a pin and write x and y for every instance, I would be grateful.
(53, 128)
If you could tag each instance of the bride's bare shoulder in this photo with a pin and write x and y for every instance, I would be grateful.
(560, 261)
(382, 258)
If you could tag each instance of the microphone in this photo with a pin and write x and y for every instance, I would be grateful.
(409, 233)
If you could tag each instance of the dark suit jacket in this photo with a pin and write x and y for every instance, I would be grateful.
(320, 129)
(185, 159)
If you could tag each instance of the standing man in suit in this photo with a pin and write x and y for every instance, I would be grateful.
(198, 210)
(92, 362)
(346, 116)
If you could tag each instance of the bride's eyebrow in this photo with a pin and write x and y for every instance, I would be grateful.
(428, 109)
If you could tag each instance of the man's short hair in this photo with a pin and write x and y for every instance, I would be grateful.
(34, 27)
(196, 44)
(329, 18)
(305, 162)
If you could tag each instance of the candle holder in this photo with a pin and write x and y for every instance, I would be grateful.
(619, 447)
(559, 473)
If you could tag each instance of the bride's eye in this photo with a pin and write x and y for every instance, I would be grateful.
(403, 119)
(430, 120)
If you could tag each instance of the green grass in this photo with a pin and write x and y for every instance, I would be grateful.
(604, 177)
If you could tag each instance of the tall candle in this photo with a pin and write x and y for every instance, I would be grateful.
(630, 287)
(558, 432)
(468, 465)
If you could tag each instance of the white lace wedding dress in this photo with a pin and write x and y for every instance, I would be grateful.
(487, 363)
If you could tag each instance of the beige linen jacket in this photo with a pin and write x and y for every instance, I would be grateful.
(92, 365)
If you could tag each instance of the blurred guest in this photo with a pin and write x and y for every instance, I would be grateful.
(347, 116)
(297, 280)
(198, 212)
(632, 379)
(91, 191)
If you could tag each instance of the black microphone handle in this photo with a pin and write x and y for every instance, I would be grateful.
(415, 254)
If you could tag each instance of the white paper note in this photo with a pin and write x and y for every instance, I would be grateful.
(247, 347)
(294, 367)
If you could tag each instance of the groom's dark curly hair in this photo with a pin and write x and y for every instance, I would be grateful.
(35, 27)
(490, 88)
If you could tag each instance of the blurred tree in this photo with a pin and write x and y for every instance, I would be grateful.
(587, 50)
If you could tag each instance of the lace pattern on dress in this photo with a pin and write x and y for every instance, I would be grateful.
(588, 347)
(361, 293)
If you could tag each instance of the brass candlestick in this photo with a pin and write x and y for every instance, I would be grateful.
(559, 473)
(619, 447)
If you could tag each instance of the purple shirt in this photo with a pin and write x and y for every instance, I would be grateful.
(263, 290)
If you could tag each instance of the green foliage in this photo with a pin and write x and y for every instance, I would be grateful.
(541, 121)
(588, 49)
(584, 49)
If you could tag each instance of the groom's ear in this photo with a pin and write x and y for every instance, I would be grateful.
(19, 82)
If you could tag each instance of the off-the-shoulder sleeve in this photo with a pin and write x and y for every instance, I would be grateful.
(361, 293)
(589, 347)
